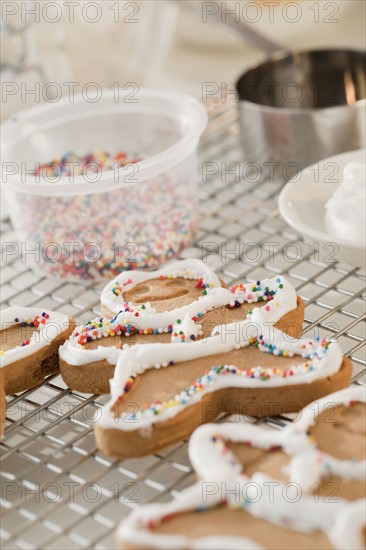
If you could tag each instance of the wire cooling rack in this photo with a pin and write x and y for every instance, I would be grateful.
(58, 490)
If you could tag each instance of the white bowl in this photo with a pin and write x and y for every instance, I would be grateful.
(302, 205)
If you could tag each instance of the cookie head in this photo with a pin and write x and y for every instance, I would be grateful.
(171, 288)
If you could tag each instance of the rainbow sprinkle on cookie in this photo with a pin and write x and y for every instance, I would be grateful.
(100, 328)
(35, 322)
(253, 293)
(310, 353)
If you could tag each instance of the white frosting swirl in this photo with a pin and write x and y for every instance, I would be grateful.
(345, 213)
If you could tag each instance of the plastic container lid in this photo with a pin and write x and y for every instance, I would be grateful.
(182, 108)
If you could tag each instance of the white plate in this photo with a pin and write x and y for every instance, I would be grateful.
(302, 205)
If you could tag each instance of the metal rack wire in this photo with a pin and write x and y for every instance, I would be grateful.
(58, 490)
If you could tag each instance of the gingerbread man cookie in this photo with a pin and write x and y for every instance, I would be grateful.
(30, 338)
(162, 392)
(181, 303)
(246, 495)
(191, 287)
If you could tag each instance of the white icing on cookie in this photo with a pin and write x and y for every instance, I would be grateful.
(78, 356)
(53, 326)
(210, 457)
(308, 465)
(275, 505)
(282, 300)
(222, 477)
(324, 464)
(349, 527)
(134, 530)
(322, 360)
(74, 352)
(112, 294)
(186, 331)
(144, 320)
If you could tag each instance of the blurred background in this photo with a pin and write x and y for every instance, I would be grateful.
(168, 43)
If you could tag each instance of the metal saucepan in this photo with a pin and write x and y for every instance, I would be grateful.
(297, 108)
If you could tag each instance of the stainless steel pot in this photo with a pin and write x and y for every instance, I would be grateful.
(298, 108)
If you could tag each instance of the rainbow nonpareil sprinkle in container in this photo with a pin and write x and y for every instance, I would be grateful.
(94, 189)
(72, 165)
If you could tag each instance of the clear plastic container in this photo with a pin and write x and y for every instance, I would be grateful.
(100, 223)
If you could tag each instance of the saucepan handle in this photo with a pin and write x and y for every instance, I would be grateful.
(217, 13)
